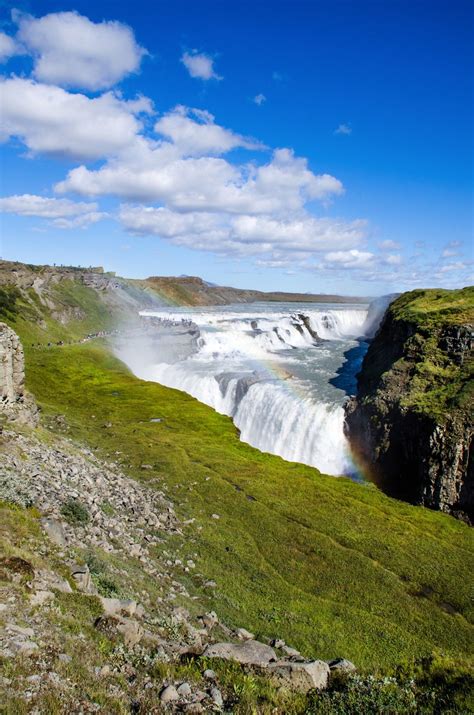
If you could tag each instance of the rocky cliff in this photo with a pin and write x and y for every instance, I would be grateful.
(15, 403)
(410, 424)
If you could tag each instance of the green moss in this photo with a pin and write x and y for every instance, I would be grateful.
(437, 385)
(435, 307)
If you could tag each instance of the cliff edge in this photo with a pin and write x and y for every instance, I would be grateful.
(410, 424)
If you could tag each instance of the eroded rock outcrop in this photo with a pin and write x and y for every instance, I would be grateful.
(15, 402)
(411, 423)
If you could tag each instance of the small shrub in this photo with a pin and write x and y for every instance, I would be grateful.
(12, 493)
(75, 512)
(106, 586)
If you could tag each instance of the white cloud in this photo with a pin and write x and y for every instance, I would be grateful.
(50, 120)
(82, 221)
(283, 240)
(259, 99)
(199, 65)
(71, 51)
(393, 259)
(194, 133)
(205, 183)
(388, 245)
(349, 259)
(63, 212)
(457, 266)
(8, 47)
(343, 129)
(449, 253)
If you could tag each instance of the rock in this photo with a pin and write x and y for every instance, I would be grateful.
(48, 580)
(341, 665)
(193, 708)
(146, 466)
(209, 620)
(278, 643)
(131, 631)
(301, 676)
(115, 606)
(15, 403)
(290, 652)
(184, 690)
(244, 635)
(39, 598)
(25, 648)
(421, 455)
(169, 694)
(217, 698)
(248, 653)
(209, 674)
(54, 530)
(82, 577)
(215, 516)
(64, 658)
(22, 631)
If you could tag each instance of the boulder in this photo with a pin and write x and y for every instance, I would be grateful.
(54, 530)
(49, 581)
(341, 665)
(15, 403)
(209, 620)
(244, 635)
(82, 577)
(116, 606)
(184, 690)
(217, 698)
(169, 694)
(248, 653)
(131, 631)
(301, 676)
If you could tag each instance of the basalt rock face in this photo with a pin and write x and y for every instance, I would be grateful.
(411, 421)
(15, 403)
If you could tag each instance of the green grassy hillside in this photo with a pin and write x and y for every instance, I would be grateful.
(332, 566)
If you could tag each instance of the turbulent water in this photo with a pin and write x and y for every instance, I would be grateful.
(281, 371)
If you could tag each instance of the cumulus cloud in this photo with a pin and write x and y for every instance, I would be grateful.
(282, 240)
(195, 133)
(8, 47)
(72, 51)
(343, 129)
(50, 120)
(259, 99)
(206, 183)
(63, 212)
(349, 259)
(200, 65)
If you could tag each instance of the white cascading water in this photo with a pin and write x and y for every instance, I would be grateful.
(273, 369)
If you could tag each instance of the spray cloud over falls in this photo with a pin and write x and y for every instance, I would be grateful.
(273, 368)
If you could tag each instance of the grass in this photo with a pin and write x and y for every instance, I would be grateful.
(438, 386)
(333, 567)
(435, 307)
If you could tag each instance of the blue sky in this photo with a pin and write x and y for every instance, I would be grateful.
(314, 146)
